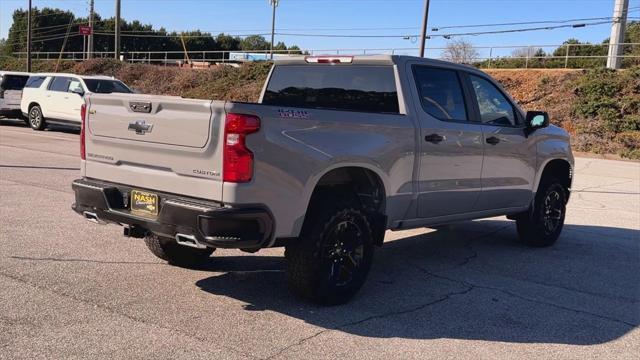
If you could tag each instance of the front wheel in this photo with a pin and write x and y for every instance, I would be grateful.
(542, 226)
(169, 250)
(330, 261)
(36, 119)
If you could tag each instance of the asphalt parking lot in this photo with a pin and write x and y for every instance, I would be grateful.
(73, 289)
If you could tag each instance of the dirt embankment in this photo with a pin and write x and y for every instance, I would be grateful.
(599, 108)
(546, 90)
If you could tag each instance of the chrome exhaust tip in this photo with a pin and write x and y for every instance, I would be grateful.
(190, 241)
(92, 217)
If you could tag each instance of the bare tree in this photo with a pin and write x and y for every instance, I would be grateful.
(528, 52)
(460, 51)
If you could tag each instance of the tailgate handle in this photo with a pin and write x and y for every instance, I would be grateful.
(140, 127)
(142, 107)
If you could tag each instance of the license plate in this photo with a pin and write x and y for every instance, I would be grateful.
(143, 202)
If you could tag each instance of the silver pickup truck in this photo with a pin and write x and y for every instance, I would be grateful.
(338, 150)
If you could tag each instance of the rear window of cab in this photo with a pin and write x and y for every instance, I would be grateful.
(13, 82)
(35, 81)
(363, 88)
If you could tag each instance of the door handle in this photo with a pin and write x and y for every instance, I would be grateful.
(433, 138)
(493, 140)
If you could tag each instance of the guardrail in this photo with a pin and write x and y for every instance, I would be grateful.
(515, 56)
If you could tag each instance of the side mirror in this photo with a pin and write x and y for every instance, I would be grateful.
(136, 91)
(536, 120)
(78, 91)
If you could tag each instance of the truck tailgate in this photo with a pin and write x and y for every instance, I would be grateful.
(12, 99)
(162, 143)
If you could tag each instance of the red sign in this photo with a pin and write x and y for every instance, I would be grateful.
(85, 30)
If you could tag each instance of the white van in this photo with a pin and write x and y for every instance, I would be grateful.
(11, 85)
(57, 97)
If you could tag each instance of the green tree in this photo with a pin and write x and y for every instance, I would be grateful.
(254, 42)
(50, 27)
(632, 35)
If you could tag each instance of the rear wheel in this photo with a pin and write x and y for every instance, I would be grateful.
(330, 261)
(542, 226)
(169, 250)
(36, 119)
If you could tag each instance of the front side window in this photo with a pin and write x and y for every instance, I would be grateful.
(35, 81)
(106, 86)
(342, 87)
(59, 84)
(494, 107)
(441, 93)
(75, 86)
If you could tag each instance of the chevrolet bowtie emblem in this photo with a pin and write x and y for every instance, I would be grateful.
(140, 127)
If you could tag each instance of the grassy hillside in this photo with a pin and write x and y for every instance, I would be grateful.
(600, 108)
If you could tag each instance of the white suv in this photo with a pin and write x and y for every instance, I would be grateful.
(57, 97)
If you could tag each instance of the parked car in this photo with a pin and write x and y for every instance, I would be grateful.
(11, 85)
(338, 150)
(57, 97)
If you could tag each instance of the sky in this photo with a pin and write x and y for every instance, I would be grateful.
(372, 17)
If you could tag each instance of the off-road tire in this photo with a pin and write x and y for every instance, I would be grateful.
(169, 250)
(317, 265)
(35, 118)
(541, 226)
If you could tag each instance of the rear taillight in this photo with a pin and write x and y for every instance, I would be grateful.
(237, 158)
(83, 115)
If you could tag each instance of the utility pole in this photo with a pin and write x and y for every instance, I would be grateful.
(117, 31)
(423, 35)
(274, 4)
(620, 10)
(90, 44)
(29, 38)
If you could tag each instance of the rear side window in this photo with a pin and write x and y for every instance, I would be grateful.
(59, 84)
(106, 86)
(35, 81)
(13, 82)
(441, 93)
(341, 87)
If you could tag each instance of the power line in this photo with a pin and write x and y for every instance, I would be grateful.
(448, 35)
(562, 21)
(172, 35)
(34, 40)
(436, 28)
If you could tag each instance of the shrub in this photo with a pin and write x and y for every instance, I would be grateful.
(630, 139)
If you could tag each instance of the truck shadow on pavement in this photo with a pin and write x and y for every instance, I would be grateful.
(69, 129)
(468, 281)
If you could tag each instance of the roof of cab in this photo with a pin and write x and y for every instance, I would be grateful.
(375, 60)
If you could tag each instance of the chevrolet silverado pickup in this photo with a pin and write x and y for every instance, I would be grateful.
(338, 150)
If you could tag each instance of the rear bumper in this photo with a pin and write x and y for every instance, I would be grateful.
(249, 227)
(9, 111)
